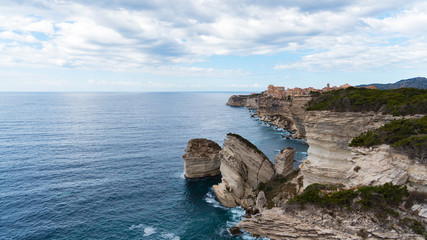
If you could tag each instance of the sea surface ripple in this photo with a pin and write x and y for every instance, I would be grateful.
(109, 165)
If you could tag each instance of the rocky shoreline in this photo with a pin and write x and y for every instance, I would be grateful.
(263, 188)
(282, 113)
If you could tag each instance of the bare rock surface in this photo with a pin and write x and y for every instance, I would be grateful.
(283, 162)
(381, 164)
(283, 113)
(249, 101)
(313, 222)
(201, 158)
(331, 160)
(261, 201)
(243, 168)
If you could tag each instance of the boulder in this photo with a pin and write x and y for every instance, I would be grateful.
(201, 158)
(235, 231)
(283, 162)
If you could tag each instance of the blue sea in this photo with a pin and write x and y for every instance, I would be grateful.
(109, 165)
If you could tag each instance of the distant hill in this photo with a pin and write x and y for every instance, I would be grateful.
(418, 82)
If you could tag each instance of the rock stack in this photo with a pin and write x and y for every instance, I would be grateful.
(243, 168)
(201, 158)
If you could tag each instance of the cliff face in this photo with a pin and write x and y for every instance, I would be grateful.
(331, 160)
(201, 158)
(249, 101)
(243, 167)
(286, 114)
(382, 164)
(328, 135)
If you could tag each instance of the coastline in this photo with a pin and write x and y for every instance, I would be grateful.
(254, 224)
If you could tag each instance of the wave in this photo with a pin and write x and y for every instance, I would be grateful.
(182, 175)
(149, 230)
(210, 198)
(170, 236)
(133, 227)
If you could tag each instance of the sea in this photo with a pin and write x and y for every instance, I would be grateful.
(109, 165)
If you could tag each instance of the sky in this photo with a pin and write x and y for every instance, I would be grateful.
(208, 45)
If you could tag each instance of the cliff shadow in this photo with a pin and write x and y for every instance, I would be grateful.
(197, 189)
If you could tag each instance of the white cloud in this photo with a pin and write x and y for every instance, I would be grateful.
(159, 37)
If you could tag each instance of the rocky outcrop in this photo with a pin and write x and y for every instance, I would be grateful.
(201, 158)
(261, 201)
(243, 168)
(328, 134)
(249, 101)
(331, 160)
(283, 113)
(382, 164)
(283, 162)
(317, 223)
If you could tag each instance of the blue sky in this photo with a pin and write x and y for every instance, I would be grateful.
(208, 45)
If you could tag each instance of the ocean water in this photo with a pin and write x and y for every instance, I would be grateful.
(109, 165)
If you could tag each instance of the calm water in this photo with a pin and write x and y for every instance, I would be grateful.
(109, 165)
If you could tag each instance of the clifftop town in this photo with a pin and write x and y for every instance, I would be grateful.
(280, 92)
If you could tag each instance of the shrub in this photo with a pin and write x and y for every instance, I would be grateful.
(416, 226)
(409, 136)
(316, 193)
(261, 186)
(402, 101)
(382, 196)
(378, 197)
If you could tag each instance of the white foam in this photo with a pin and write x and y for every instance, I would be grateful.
(210, 198)
(170, 236)
(136, 226)
(236, 217)
(149, 231)
(182, 175)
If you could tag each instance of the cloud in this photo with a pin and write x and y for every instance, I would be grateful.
(166, 37)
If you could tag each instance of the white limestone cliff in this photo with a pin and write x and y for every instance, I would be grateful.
(243, 168)
(201, 158)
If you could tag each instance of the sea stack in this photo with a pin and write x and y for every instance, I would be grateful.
(201, 158)
(243, 168)
(283, 162)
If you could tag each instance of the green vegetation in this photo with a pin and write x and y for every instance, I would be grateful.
(249, 144)
(414, 225)
(378, 197)
(402, 101)
(325, 195)
(387, 195)
(279, 188)
(383, 201)
(406, 135)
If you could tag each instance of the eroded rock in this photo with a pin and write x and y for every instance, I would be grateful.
(243, 167)
(283, 162)
(261, 201)
(317, 223)
(201, 158)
